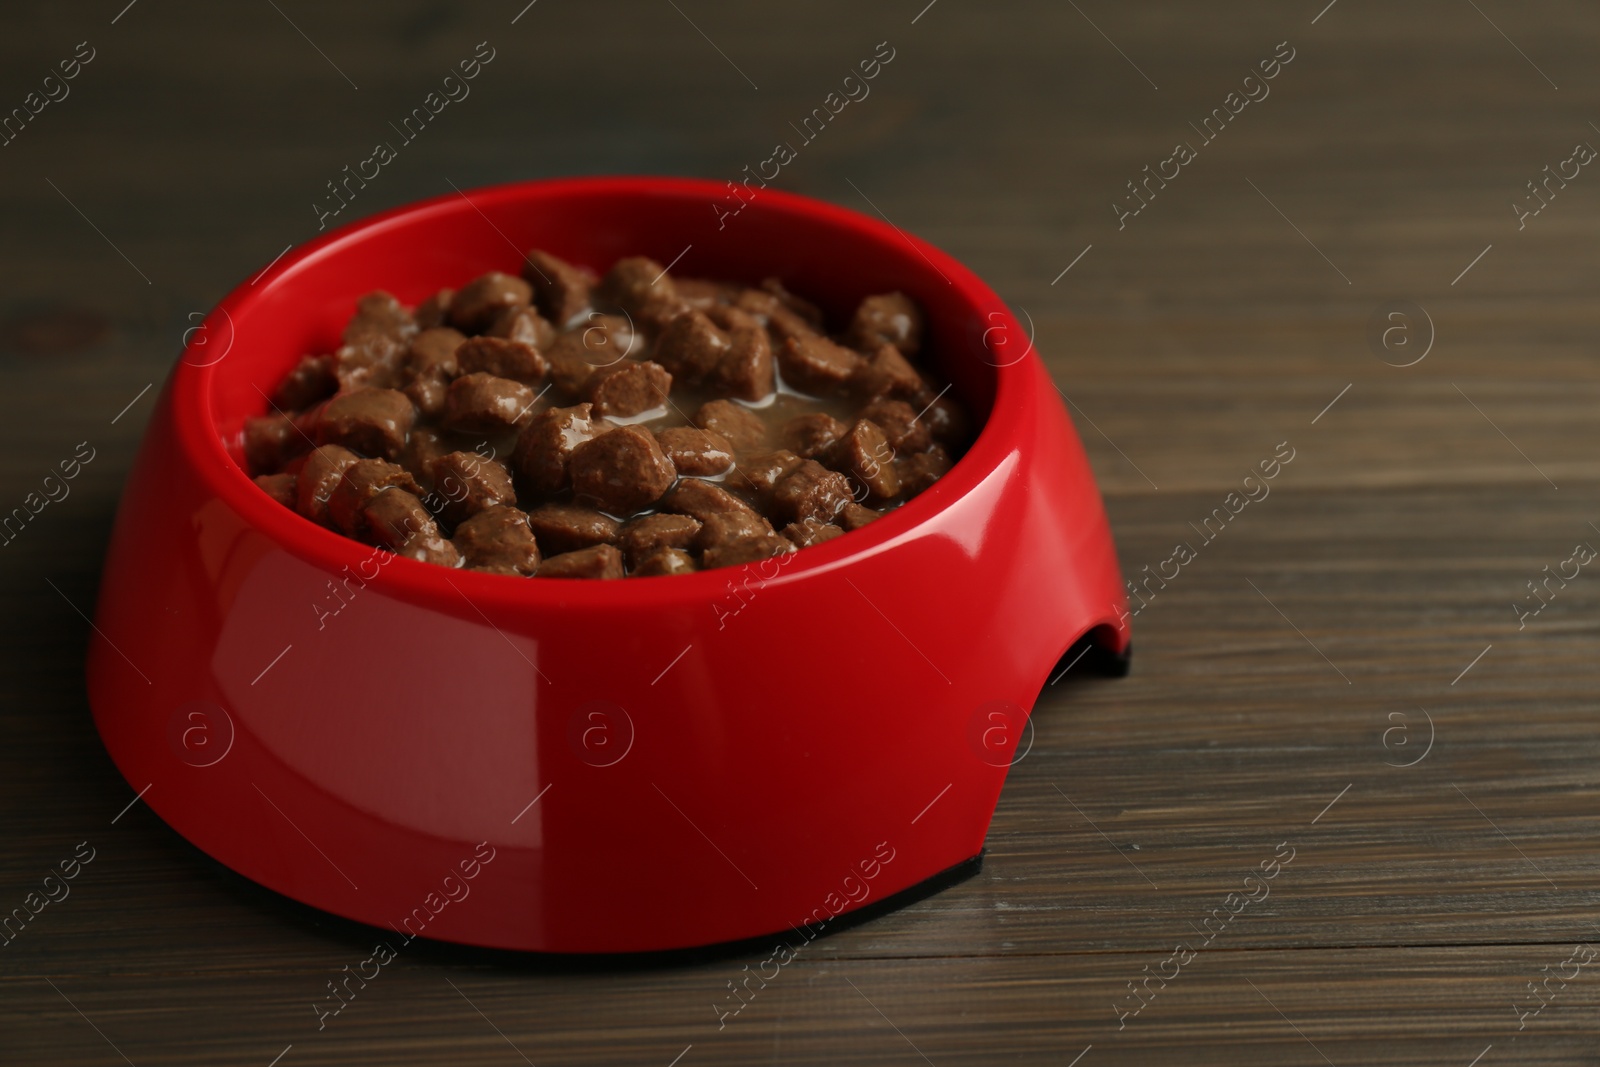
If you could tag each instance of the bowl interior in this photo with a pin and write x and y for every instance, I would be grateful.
(827, 255)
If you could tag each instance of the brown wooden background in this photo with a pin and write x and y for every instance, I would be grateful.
(1419, 906)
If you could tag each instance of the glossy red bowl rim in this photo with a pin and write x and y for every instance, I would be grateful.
(195, 424)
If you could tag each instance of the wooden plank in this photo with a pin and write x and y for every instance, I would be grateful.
(1426, 1006)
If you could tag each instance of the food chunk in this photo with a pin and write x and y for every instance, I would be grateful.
(739, 426)
(629, 388)
(475, 305)
(886, 373)
(621, 471)
(854, 516)
(866, 455)
(395, 518)
(601, 561)
(358, 485)
(561, 288)
(499, 540)
(486, 404)
(696, 453)
(503, 358)
(899, 422)
(567, 527)
(280, 487)
(311, 380)
(809, 436)
(323, 468)
(691, 346)
(648, 534)
(373, 422)
(889, 318)
(813, 364)
(665, 561)
(470, 483)
(545, 446)
(918, 472)
(811, 491)
(701, 499)
(747, 550)
(762, 473)
(811, 532)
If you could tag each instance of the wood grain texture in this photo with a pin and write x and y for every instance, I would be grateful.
(1281, 683)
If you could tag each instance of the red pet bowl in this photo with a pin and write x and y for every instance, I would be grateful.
(593, 767)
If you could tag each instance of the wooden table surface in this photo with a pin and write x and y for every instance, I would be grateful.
(1341, 674)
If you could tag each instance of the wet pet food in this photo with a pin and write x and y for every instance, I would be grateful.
(561, 425)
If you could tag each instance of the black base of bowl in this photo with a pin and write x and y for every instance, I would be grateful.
(1088, 656)
(363, 936)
